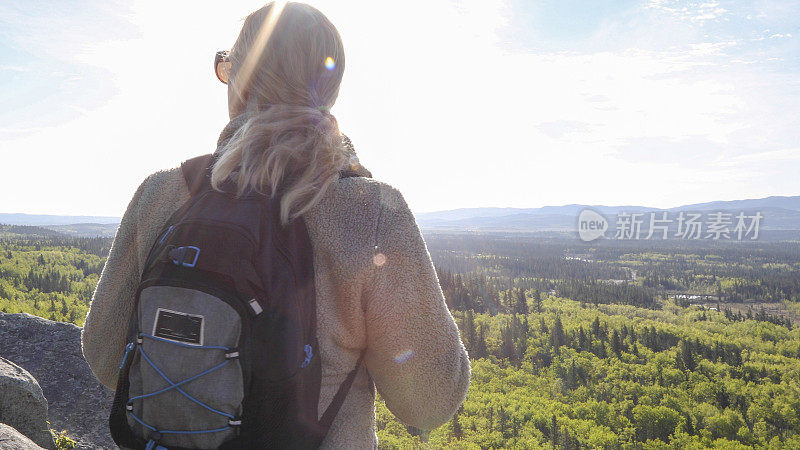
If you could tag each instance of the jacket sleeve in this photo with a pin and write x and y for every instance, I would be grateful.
(103, 334)
(414, 352)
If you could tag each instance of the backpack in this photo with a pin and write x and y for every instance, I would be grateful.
(222, 348)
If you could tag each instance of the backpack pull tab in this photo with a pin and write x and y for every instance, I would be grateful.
(128, 349)
(256, 307)
(166, 233)
(309, 351)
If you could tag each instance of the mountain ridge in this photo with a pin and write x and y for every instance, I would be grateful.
(791, 203)
(53, 219)
(779, 212)
(784, 214)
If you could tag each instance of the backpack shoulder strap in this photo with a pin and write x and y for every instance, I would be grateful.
(326, 420)
(197, 173)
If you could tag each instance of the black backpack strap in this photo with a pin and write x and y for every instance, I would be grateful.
(326, 420)
(197, 173)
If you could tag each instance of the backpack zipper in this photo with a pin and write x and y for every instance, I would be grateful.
(299, 304)
(244, 231)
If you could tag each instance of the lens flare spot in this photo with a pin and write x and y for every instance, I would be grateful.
(330, 64)
(404, 356)
(379, 259)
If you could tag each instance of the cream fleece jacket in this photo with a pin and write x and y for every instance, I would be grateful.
(384, 299)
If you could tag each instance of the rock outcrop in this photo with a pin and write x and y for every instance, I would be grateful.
(51, 352)
(10, 438)
(22, 404)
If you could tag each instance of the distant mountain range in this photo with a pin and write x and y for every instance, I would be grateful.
(82, 226)
(779, 213)
(50, 220)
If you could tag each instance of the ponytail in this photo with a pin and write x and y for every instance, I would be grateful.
(290, 67)
(295, 150)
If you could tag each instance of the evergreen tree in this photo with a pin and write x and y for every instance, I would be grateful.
(507, 350)
(521, 306)
(457, 431)
(583, 342)
(502, 420)
(537, 300)
(686, 356)
(557, 336)
(596, 327)
(616, 344)
(480, 347)
(469, 330)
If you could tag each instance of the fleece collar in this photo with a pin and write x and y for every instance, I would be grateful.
(238, 121)
(229, 129)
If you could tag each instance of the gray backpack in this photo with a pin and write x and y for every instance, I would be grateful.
(222, 349)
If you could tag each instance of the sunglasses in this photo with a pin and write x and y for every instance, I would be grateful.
(222, 66)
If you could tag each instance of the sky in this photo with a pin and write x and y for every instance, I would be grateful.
(462, 103)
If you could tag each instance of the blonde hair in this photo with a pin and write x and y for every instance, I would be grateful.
(290, 62)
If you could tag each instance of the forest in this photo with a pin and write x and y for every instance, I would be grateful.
(631, 345)
(48, 274)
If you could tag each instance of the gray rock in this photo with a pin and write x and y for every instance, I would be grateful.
(51, 352)
(22, 403)
(10, 438)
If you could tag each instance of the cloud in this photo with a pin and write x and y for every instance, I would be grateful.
(5, 132)
(652, 108)
(13, 68)
(691, 11)
(559, 129)
(775, 156)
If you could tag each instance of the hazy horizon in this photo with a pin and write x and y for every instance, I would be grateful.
(460, 208)
(458, 104)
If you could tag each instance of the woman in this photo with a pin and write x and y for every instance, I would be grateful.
(375, 283)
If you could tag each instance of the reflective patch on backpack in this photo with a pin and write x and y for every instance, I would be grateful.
(178, 326)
